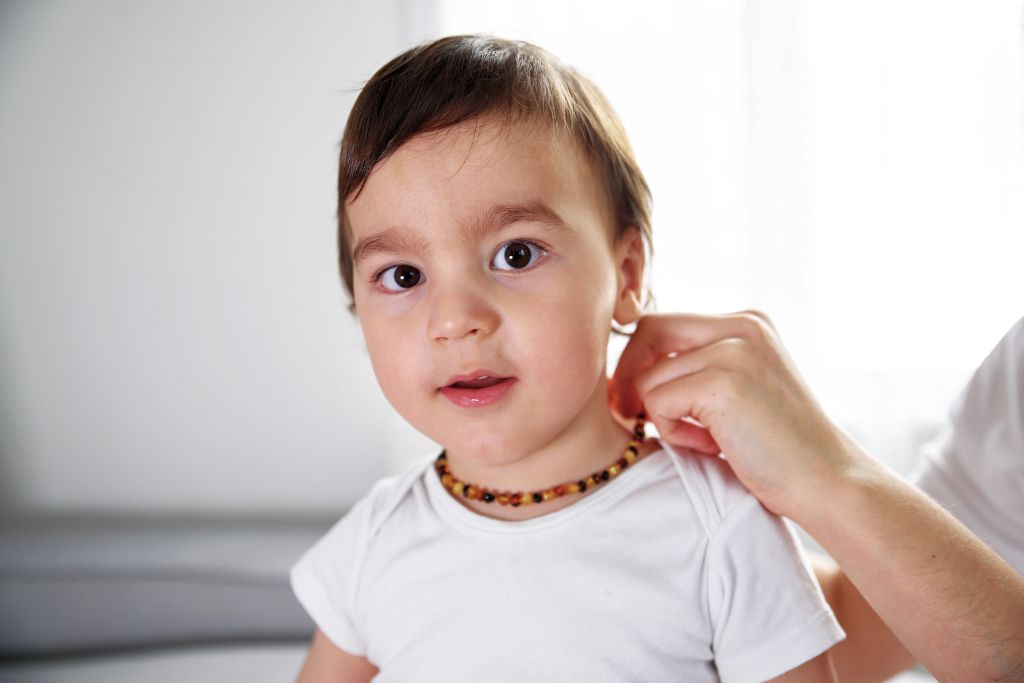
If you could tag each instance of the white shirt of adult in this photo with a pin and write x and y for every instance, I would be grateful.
(975, 469)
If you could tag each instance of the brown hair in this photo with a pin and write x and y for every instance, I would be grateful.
(459, 78)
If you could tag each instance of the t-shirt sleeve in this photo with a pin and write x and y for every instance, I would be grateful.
(768, 613)
(326, 577)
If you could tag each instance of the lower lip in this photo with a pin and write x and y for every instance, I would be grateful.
(478, 398)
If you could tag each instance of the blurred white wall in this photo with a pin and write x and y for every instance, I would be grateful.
(173, 334)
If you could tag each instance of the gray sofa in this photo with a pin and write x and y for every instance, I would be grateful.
(156, 599)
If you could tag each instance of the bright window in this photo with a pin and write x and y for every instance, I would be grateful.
(854, 169)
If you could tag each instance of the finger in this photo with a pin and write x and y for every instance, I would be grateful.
(728, 353)
(688, 435)
(674, 421)
(696, 396)
(658, 335)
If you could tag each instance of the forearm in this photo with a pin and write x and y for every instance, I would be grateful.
(955, 604)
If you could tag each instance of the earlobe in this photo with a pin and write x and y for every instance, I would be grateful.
(630, 259)
(628, 310)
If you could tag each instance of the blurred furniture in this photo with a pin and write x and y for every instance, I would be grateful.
(157, 599)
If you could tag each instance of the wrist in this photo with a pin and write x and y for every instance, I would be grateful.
(840, 471)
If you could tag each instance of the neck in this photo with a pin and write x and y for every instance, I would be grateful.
(591, 442)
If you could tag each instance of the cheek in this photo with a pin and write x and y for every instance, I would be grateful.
(573, 326)
(395, 364)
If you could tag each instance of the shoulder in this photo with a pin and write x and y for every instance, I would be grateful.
(752, 553)
(985, 429)
(345, 544)
(710, 484)
(381, 502)
(325, 579)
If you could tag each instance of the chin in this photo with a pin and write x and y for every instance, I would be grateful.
(487, 449)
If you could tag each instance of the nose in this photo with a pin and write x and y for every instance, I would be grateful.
(461, 311)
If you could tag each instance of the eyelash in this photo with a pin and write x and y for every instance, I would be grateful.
(376, 277)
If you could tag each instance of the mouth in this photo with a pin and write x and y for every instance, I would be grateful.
(477, 389)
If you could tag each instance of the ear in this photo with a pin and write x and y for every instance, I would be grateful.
(630, 260)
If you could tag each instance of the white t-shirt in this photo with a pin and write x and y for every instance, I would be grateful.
(976, 467)
(670, 572)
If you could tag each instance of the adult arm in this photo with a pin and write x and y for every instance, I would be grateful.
(955, 604)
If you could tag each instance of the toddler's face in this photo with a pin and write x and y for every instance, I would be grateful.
(483, 249)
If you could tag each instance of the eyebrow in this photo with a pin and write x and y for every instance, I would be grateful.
(401, 240)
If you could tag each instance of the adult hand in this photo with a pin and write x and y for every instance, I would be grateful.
(732, 375)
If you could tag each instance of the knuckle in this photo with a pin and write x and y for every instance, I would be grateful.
(757, 314)
(757, 323)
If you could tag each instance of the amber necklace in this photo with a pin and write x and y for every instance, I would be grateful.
(516, 498)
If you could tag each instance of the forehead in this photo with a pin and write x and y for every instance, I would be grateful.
(441, 180)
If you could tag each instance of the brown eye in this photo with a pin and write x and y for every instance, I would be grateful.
(516, 255)
(397, 278)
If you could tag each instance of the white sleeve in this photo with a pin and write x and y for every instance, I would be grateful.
(326, 577)
(768, 613)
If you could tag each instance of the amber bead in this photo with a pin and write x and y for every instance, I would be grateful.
(473, 492)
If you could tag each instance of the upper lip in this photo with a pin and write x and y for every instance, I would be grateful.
(475, 374)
